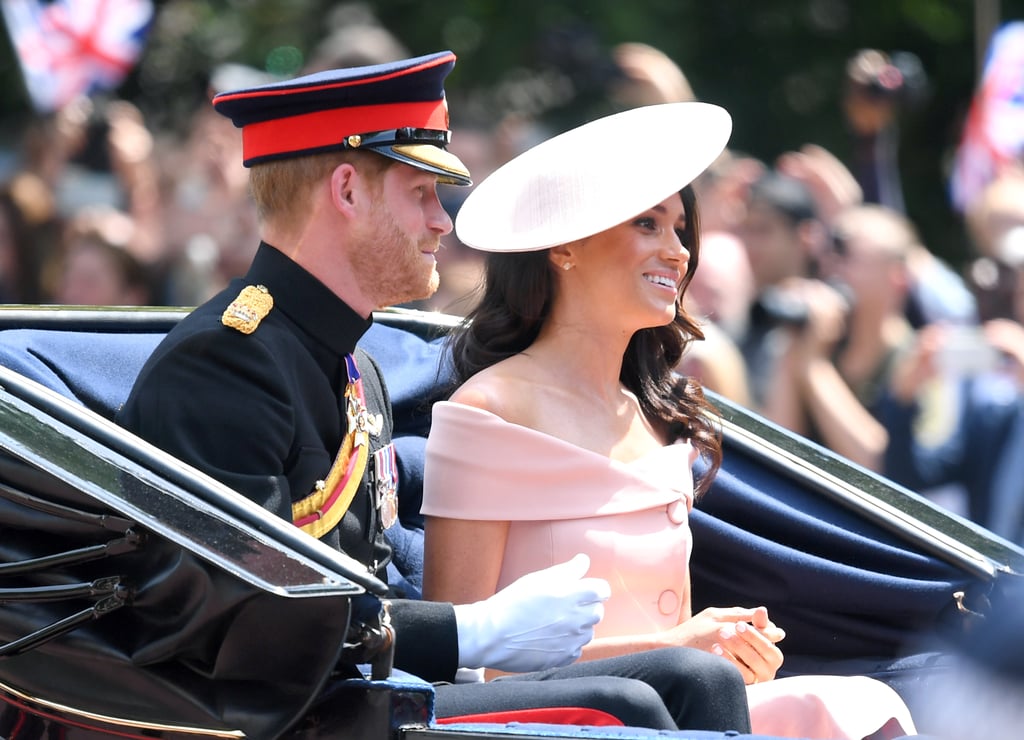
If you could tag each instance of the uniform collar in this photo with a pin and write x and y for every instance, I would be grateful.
(306, 301)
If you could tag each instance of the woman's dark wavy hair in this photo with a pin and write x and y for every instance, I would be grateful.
(515, 302)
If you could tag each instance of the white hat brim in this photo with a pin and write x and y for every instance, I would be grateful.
(593, 177)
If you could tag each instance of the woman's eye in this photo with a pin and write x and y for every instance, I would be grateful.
(647, 223)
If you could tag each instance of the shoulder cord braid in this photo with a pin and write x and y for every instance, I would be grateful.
(320, 511)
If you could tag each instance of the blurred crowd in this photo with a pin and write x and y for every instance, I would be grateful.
(830, 316)
(823, 308)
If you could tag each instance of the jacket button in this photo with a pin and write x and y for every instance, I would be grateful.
(668, 602)
(676, 512)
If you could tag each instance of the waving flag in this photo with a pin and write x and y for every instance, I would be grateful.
(993, 135)
(68, 48)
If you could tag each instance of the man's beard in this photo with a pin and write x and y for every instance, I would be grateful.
(391, 266)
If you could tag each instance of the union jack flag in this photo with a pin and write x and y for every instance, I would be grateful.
(993, 134)
(68, 48)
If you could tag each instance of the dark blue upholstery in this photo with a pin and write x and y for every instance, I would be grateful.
(840, 585)
(95, 369)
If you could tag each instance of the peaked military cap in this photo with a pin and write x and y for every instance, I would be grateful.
(397, 109)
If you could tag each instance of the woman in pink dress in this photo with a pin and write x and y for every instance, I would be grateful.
(571, 431)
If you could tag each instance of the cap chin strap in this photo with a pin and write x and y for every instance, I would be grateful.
(418, 147)
(404, 135)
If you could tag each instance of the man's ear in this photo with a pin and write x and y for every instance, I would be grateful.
(345, 182)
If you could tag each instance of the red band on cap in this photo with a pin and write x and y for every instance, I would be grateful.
(330, 127)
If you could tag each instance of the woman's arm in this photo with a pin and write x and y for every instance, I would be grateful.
(746, 637)
(462, 564)
(462, 559)
(734, 633)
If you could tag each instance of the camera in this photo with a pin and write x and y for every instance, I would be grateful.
(966, 351)
(899, 76)
(785, 307)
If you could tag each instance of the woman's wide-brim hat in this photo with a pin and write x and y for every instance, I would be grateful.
(593, 177)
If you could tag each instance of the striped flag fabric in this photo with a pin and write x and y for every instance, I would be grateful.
(993, 133)
(68, 48)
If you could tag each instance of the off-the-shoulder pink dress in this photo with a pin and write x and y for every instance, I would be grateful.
(632, 519)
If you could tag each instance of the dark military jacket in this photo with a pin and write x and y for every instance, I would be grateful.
(262, 413)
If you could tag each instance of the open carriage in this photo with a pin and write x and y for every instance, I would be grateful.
(141, 599)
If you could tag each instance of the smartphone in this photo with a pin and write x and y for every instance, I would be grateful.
(966, 351)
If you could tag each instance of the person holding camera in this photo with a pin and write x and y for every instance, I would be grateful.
(784, 238)
(834, 373)
(878, 86)
(976, 445)
(829, 316)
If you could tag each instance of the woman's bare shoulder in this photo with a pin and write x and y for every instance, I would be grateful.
(501, 389)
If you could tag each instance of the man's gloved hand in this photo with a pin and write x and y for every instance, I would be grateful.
(541, 621)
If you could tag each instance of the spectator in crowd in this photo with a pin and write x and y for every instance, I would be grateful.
(994, 219)
(210, 221)
(720, 295)
(878, 86)
(834, 371)
(784, 239)
(96, 264)
(29, 233)
(936, 291)
(979, 446)
(93, 153)
(850, 314)
(104, 155)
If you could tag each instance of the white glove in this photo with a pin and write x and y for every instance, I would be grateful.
(541, 621)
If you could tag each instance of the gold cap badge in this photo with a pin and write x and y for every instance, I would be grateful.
(247, 310)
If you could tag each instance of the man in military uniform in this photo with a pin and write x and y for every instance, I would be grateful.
(263, 388)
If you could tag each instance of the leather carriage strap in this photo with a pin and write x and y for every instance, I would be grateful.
(128, 540)
(107, 594)
(110, 594)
